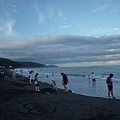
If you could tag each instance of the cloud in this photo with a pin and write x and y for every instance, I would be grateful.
(99, 31)
(6, 21)
(13, 8)
(51, 14)
(65, 26)
(107, 5)
(101, 8)
(62, 49)
(6, 27)
(41, 17)
(115, 9)
(60, 12)
(9, 27)
(116, 29)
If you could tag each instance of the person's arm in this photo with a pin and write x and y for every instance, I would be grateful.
(107, 81)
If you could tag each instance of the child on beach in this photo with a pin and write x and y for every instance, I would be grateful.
(31, 76)
(54, 84)
(37, 88)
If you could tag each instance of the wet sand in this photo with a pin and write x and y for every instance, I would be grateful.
(19, 101)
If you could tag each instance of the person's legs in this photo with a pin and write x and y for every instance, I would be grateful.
(65, 87)
(38, 88)
(30, 81)
(56, 88)
(112, 93)
(53, 86)
(109, 93)
(35, 88)
(14, 76)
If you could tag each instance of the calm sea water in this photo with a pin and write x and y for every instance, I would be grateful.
(79, 81)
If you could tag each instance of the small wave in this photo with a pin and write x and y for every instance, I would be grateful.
(75, 75)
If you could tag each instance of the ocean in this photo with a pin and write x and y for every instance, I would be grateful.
(79, 80)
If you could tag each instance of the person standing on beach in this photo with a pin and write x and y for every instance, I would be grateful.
(2, 74)
(65, 81)
(13, 74)
(37, 87)
(21, 73)
(31, 76)
(110, 85)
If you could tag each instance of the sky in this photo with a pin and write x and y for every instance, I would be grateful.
(65, 33)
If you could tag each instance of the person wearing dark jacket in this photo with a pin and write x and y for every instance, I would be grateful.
(65, 81)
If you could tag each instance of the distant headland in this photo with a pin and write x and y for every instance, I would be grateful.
(4, 62)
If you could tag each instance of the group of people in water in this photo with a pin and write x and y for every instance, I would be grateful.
(34, 79)
(65, 81)
(109, 83)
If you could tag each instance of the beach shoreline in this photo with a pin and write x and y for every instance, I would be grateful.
(19, 101)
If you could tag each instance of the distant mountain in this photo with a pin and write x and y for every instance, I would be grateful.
(16, 64)
(52, 66)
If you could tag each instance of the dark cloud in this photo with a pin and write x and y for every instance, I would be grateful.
(62, 49)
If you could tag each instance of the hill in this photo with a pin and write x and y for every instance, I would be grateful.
(16, 64)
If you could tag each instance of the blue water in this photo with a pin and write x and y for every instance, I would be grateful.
(79, 81)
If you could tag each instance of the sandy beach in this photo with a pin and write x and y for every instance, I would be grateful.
(19, 101)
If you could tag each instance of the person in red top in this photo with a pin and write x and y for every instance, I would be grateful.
(54, 84)
(110, 85)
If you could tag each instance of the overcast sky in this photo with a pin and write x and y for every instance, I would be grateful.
(61, 32)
